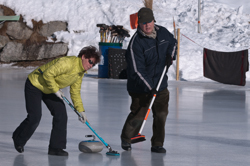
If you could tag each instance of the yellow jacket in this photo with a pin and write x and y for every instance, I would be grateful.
(58, 74)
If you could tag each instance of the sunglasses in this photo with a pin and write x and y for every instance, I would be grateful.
(91, 62)
(146, 22)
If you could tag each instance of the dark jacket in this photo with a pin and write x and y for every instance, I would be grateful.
(146, 59)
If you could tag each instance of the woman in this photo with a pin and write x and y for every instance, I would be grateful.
(44, 84)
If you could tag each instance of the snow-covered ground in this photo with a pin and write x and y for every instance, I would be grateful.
(235, 4)
(223, 27)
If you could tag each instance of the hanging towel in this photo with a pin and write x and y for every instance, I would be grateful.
(226, 67)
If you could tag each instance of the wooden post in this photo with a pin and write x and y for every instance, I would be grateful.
(178, 54)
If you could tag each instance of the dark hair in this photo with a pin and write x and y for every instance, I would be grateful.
(90, 52)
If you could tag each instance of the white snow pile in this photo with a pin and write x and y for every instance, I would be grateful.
(223, 28)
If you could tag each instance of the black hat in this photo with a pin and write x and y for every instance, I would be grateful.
(145, 15)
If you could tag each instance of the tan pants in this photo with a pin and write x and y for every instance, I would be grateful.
(139, 107)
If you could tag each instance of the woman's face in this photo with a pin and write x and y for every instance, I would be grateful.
(88, 63)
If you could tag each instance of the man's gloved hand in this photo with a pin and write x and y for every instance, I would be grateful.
(153, 91)
(169, 61)
(59, 94)
(83, 119)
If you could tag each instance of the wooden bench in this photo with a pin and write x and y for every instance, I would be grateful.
(8, 18)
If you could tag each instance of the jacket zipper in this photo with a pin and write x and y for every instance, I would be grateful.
(156, 43)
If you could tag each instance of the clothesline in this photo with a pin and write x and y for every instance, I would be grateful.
(192, 40)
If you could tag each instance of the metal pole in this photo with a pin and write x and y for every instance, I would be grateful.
(178, 54)
(174, 28)
(199, 10)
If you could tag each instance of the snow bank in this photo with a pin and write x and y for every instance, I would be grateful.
(223, 28)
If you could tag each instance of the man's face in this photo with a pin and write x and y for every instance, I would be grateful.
(147, 27)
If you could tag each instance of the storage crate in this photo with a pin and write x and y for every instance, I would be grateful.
(117, 63)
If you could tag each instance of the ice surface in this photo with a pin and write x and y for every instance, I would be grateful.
(208, 124)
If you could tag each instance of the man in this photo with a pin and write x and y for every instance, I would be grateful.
(150, 49)
(43, 84)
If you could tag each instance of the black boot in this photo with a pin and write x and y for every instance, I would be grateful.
(19, 148)
(126, 145)
(57, 152)
(158, 149)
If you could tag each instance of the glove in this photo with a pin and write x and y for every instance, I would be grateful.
(83, 119)
(153, 91)
(169, 61)
(59, 94)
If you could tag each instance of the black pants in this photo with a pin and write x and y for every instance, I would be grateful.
(33, 98)
(139, 108)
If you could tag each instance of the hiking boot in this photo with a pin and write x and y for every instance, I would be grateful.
(57, 152)
(18, 148)
(126, 145)
(158, 149)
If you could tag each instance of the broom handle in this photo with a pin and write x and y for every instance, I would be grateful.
(153, 99)
(87, 123)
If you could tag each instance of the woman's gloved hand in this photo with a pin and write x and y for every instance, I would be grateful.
(59, 94)
(83, 119)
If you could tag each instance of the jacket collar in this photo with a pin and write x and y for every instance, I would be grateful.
(80, 65)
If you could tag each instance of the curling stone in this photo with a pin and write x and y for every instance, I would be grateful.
(90, 146)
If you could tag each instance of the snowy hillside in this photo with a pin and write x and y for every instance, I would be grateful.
(223, 28)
